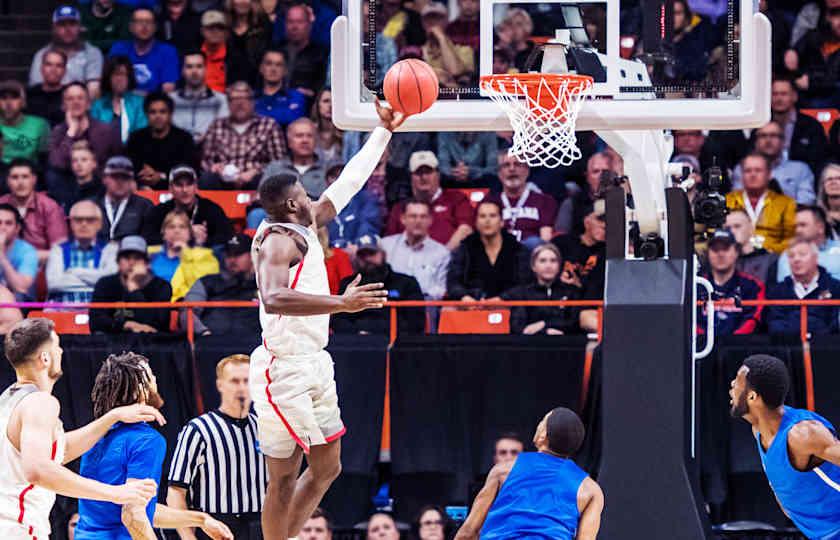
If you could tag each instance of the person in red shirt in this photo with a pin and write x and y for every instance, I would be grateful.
(451, 210)
(214, 30)
(336, 259)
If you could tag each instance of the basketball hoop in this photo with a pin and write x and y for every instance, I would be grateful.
(542, 108)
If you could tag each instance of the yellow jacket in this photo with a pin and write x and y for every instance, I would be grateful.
(196, 262)
(777, 223)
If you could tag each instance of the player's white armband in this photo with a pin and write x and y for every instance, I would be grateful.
(352, 179)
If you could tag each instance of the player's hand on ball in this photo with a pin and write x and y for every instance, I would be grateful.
(391, 119)
(361, 297)
(215, 529)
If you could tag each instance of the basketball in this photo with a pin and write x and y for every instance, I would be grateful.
(411, 86)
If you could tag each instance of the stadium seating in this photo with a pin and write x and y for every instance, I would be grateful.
(66, 322)
(826, 117)
(474, 321)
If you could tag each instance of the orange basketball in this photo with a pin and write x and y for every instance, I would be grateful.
(411, 86)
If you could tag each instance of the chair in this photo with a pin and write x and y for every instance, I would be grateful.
(474, 321)
(156, 197)
(475, 195)
(826, 117)
(66, 322)
(234, 203)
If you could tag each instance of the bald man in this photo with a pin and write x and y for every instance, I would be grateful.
(74, 266)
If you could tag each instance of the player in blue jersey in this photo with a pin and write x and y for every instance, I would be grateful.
(798, 448)
(540, 495)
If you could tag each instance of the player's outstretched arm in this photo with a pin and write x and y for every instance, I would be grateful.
(483, 501)
(39, 417)
(278, 253)
(136, 522)
(354, 175)
(590, 504)
(81, 440)
(811, 438)
(173, 518)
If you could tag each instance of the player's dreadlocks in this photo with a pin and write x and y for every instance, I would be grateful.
(121, 380)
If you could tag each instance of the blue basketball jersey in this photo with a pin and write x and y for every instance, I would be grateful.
(811, 499)
(538, 500)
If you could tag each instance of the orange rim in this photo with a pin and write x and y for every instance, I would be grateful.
(531, 81)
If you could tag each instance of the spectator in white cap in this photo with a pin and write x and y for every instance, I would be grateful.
(453, 64)
(84, 61)
(452, 213)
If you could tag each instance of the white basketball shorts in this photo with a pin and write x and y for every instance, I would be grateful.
(295, 400)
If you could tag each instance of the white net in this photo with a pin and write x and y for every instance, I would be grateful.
(542, 110)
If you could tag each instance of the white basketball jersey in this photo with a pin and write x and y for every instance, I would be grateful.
(286, 335)
(21, 502)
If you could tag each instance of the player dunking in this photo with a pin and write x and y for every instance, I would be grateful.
(34, 446)
(798, 448)
(291, 374)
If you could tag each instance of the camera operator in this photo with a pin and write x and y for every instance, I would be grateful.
(730, 286)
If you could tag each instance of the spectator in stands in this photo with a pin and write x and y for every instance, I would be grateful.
(381, 526)
(274, 100)
(236, 149)
(414, 253)
(451, 210)
(453, 64)
(521, 26)
(372, 267)
(119, 104)
(360, 219)
(306, 60)
(179, 26)
(44, 98)
(71, 526)
(302, 159)
(18, 258)
(222, 65)
(815, 58)
(210, 225)
(155, 63)
(432, 523)
(105, 22)
(386, 52)
(196, 105)
(178, 260)
(4, 168)
(400, 23)
(757, 262)
(804, 137)
(690, 48)
(84, 61)
(104, 139)
(464, 29)
(730, 286)
(214, 445)
(124, 212)
(317, 527)
(507, 447)
(87, 184)
(546, 264)
(74, 266)
(528, 214)
(330, 138)
(773, 214)
(25, 136)
(489, 261)
(812, 225)
(467, 159)
(44, 221)
(828, 197)
(235, 281)
(250, 32)
(574, 208)
(794, 177)
(160, 146)
(336, 260)
(584, 254)
(807, 282)
(133, 282)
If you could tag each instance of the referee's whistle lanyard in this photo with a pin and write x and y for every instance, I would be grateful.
(519, 204)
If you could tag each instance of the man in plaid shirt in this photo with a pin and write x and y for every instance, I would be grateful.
(237, 148)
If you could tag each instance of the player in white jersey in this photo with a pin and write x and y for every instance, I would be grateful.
(291, 374)
(34, 446)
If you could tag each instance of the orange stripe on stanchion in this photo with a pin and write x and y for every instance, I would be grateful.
(807, 366)
(588, 357)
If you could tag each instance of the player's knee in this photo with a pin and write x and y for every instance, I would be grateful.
(326, 473)
(282, 486)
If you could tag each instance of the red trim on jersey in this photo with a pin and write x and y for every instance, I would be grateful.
(21, 504)
(336, 436)
(277, 409)
(297, 274)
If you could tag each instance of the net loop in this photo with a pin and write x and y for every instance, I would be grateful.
(543, 109)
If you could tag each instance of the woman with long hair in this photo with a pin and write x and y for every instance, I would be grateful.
(250, 31)
(330, 138)
(828, 196)
(432, 523)
(119, 104)
(178, 260)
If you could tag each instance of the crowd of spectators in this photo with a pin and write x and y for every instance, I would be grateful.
(188, 96)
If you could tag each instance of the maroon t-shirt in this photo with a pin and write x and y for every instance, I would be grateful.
(523, 220)
(450, 210)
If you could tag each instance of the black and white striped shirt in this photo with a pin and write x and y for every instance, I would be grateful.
(217, 459)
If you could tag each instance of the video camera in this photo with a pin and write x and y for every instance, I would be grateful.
(710, 203)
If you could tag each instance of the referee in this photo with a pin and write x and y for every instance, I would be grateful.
(217, 466)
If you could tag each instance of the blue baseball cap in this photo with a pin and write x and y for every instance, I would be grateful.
(66, 13)
(722, 236)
